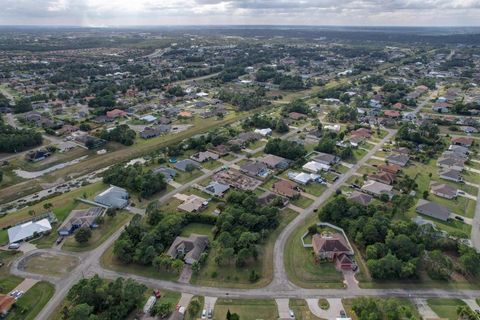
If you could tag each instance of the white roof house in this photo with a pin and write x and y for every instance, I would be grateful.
(264, 132)
(148, 118)
(315, 167)
(113, 197)
(28, 229)
(303, 178)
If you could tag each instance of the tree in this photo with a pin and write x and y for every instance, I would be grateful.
(23, 105)
(194, 307)
(190, 168)
(80, 312)
(439, 266)
(1, 176)
(425, 194)
(83, 234)
(162, 309)
(31, 212)
(47, 205)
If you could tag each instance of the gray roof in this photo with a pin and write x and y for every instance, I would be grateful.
(433, 210)
(168, 173)
(182, 164)
(216, 188)
(193, 247)
(28, 229)
(452, 174)
(326, 158)
(361, 198)
(400, 159)
(113, 197)
(253, 167)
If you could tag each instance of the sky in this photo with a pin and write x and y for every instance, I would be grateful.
(241, 12)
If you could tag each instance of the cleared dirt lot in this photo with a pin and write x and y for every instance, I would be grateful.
(50, 264)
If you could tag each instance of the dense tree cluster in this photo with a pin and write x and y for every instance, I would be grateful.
(135, 178)
(241, 226)
(15, 140)
(285, 148)
(4, 102)
(103, 102)
(99, 299)
(411, 136)
(299, 106)
(176, 91)
(262, 121)
(22, 105)
(394, 249)
(367, 308)
(343, 114)
(243, 101)
(122, 134)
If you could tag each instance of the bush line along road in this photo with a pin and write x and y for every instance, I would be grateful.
(280, 287)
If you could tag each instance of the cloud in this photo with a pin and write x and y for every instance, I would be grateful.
(310, 12)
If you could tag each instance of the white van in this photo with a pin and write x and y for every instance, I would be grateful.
(14, 246)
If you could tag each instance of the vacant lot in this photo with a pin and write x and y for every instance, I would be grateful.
(246, 309)
(445, 308)
(50, 264)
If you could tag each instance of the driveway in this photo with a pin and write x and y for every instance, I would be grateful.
(186, 274)
(424, 309)
(25, 285)
(210, 303)
(333, 311)
(350, 280)
(472, 303)
(185, 299)
(283, 308)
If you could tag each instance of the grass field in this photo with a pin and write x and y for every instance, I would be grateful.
(445, 308)
(197, 228)
(302, 202)
(233, 277)
(99, 235)
(301, 310)
(109, 261)
(7, 281)
(246, 309)
(50, 264)
(32, 302)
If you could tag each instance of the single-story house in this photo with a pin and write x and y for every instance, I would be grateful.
(216, 188)
(398, 159)
(461, 150)
(113, 197)
(391, 114)
(297, 116)
(286, 188)
(116, 113)
(463, 141)
(255, 169)
(236, 179)
(451, 175)
(390, 168)
(168, 173)
(204, 156)
(6, 303)
(451, 163)
(275, 162)
(376, 188)
(148, 118)
(221, 150)
(155, 131)
(444, 190)
(182, 164)
(28, 230)
(37, 155)
(360, 198)
(190, 248)
(304, 178)
(433, 210)
(315, 167)
(191, 203)
(362, 132)
(264, 132)
(383, 177)
(79, 219)
(326, 158)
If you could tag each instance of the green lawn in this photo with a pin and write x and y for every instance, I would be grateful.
(3, 237)
(197, 315)
(184, 177)
(231, 276)
(7, 281)
(210, 165)
(247, 309)
(445, 308)
(99, 235)
(32, 302)
(301, 310)
(109, 261)
(197, 228)
(302, 202)
(315, 188)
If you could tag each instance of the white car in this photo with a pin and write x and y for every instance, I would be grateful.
(204, 314)
(292, 315)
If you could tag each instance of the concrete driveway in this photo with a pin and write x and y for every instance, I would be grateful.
(283, 308)
(25, 285)
(424, 309)
(333, 311)
(209, 303)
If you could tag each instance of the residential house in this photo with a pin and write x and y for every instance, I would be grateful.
(6, 303)
(463, 141)
(398, 159)
(236, 180)
(315, 167)
(221, 150)
(444, 190)
(360, 198)
(451, 163)
(326, 158)
(168, 173)
(286, 188)
(274, 162)
(263, 132)
(451, 175)
(183, 164)
(376, 188)
(390, 168)
(333, 247)
(191, 203)
(433, 210)
(217, 189)
(392, 114)
(362, 132)
(28, 230)
(255, 169)
(80, 218)
(442, 107)
(190, 248)
(37, 155)
(155, 131)
(204, 156)
(304, 178)
(269, 198)
(113, 197)
(116, 113)
(383, 177)
(297, 116)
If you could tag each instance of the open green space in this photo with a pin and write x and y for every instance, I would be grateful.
(301, 310)
(51, 264)
(197, 228)
(248, 309)
(99, 235)
(302, 202)
(231, 276)
(184, 177)
(32, 302)
(8, 281)
(445, 308)
(314, 188)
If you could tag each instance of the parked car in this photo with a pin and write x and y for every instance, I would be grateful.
(292, 315)
(204, 314)
(210, 314)
(59, 240)
(459, 218)
(14, 246)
